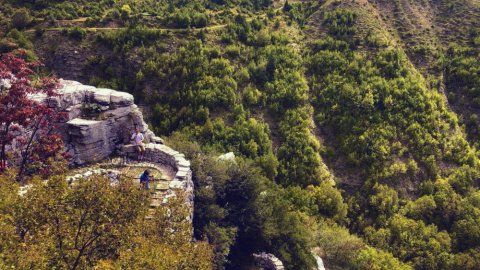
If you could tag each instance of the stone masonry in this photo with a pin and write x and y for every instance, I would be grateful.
(182, 174)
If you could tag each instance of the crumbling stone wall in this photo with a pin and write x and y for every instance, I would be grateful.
(162, 154)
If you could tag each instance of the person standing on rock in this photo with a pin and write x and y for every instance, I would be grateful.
(137, 139)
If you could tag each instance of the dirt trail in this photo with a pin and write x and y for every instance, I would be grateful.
(170, 29)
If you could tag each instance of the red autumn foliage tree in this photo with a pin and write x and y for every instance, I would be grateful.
(28, 128)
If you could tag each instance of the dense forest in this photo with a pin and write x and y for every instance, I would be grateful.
(355, 127)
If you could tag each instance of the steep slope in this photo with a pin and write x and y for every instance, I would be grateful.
(422, 28)
(385, 122)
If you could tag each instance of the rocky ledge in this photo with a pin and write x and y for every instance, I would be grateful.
(267, 261)
(99, 121)
(99, 125)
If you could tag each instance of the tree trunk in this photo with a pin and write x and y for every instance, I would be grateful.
(25, 153)
(3, 155)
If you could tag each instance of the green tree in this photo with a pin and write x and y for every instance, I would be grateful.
(93, 224)
(21, 18)
(421, 245)
(375, 259)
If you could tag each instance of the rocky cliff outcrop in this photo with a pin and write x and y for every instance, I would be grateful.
(267, 261)
(100, 123)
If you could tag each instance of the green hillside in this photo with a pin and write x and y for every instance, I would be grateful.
(355, 123)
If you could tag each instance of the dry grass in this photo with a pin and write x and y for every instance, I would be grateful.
(135, 172)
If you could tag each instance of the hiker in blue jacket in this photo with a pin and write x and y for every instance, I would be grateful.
(145, 179)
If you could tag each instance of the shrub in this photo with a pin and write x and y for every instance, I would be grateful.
(125, 12)
(77, 33)
(21, 18)
(232, 51)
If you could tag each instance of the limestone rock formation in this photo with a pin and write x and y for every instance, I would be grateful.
(320, 265)
(100, 123)
(267, 261)
(230, 156)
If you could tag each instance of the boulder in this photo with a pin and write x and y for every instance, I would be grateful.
(121, 98)
(73, 93)
(267, 261)
(320, 265)
(230, 156)
(102, 96)
(158, 140)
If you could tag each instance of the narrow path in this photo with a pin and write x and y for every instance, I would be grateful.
(170, 29)
(95, 29)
